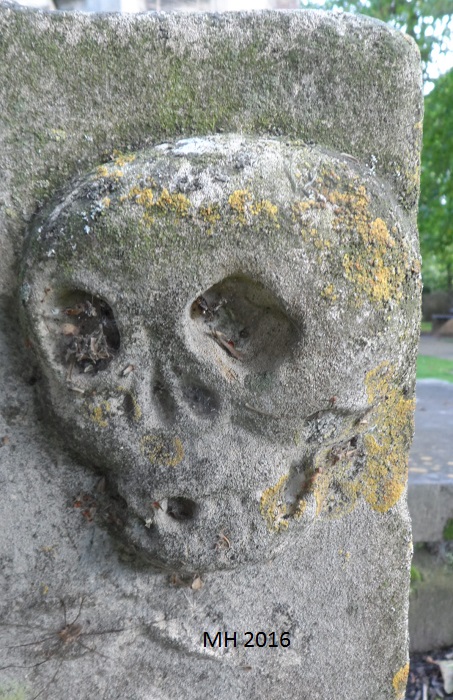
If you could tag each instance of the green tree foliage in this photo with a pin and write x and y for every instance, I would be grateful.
(436, 198)
(426, 21)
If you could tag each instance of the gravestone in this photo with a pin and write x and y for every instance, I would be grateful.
(210, 290)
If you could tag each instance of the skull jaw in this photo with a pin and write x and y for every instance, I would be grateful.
(224, 535)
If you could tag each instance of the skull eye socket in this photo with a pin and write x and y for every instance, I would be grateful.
(84, 330)
(246, 321)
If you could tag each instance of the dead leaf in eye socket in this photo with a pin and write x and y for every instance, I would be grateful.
(226, 344)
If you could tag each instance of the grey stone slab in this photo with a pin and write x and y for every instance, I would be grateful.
(431, 507)
(210, 307)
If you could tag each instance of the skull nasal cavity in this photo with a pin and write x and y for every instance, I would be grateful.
(181, 508)
(202, 401)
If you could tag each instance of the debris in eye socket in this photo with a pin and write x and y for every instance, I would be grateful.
(226, 344)
(203, 307)
(77, 389)
(69, 329)
(86, 308)
(127, 370)
(92, 336)
(88, 350)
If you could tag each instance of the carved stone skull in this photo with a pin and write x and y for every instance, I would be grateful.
(217, 322)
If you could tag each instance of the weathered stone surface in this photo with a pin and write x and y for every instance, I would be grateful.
(221, 334)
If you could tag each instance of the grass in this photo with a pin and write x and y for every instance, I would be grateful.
(434, 368)
(426, 327)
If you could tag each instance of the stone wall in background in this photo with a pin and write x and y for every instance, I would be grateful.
(210, 290)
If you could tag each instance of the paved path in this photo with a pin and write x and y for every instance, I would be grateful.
(431, 457)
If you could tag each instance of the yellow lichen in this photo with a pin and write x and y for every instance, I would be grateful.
(100, 413)
(144, 197)
(370, 264)
(386, 446)
(300, 510)
(273, 507)
(106, 202)
(385, 435)
(244, 205)
(166, 202)
(329, 293)
(102, 171)
(148, 218)
(160, 449)
(175, 202)
(238, 201)
(210, 213)
(400, 681)
(320, 488)
(266, 208)
(121, 159)
(299, 208)
(379, 234)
